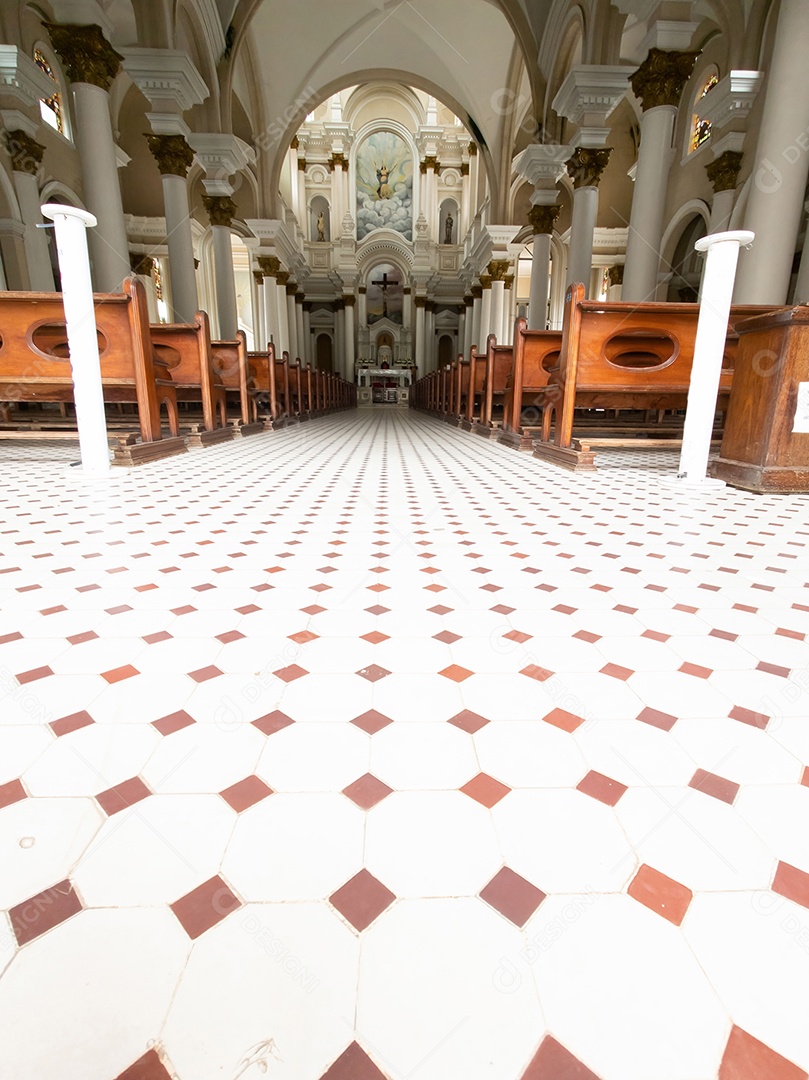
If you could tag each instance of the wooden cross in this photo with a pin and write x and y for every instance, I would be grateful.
(384, 285)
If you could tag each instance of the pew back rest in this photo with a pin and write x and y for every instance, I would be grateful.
(34, 347)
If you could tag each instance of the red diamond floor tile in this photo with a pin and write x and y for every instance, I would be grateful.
(205, 674)
(167, 725)
(12, 792)
(67, 724)
(246, 793)
(375, 637)
(533, 671)
(468, 721)
(373, 673)
(43, 912)
(118, 798)
(617, 672)
(657, 719)
(563, 719)
(362, 900)
(660, 894)
(273, 722)
(485, 790)
(553, 1062)
(354, 1064)
(367, 791)
(715, 786)
(601, 787)
(148, 1067)
(746, 1058)
(205, 906)
(456, 673)
(291, 673)
(513, 896)
(793, 883)
(371, 721)
(748, 716)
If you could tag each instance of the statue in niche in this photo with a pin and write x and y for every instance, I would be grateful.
(448, 229)
(321, 226)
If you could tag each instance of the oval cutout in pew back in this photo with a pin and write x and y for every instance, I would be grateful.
(641, 350)
(48, 339)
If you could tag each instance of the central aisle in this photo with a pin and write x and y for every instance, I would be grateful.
(383, 753)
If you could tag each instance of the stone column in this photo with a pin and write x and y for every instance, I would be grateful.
(292, 321)
(585, 167)
(508, 309)
(293, 179)
(421, 352)
(339, 337)
(221, 210)
(477, 312)
(282, 344)
(270, 266)
(658, 83)
(466, 217)
(338, 165)
(498, 270)
(723, 174)
(307, 334)
(299, 325)
(350, 347)
(781, 165)
(362, 313)
(174, 158)
(429, 336)
(407, 308)
(542, 220)
(260, 327)
(469, 302)
(431, 170)
(26, 157)
(461, 333)
(91, 64)
(485, 311)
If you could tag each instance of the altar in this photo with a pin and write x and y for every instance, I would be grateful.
(384, 381)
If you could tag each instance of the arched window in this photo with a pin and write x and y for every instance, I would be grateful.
(51, 108)
(700, 130)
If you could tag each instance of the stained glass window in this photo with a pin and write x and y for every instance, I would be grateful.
(50, 107)
(701, 129)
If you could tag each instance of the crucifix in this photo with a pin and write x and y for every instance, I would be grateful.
(384, 285)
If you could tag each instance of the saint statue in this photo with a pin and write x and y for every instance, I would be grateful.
(384, 191)
(321, 226)
(448, 229)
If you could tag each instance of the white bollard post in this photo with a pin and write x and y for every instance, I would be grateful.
(709, 348)
(71, 224)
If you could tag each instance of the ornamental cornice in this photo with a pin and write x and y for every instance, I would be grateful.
(21, 78)
(166, 77)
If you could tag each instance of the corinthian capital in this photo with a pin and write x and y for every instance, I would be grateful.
(587, 165)
(26, 153)
(172, 153)
(661, 77)
(221, 209)
(88, 56)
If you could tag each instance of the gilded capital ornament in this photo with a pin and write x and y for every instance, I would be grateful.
(477, 292)
(292, 288)
(724, 172)
(509, 281)
(295, 143)
(498, 269)
(473, 149)
(587, 165)
(339, 305)
(172, 153)
(282, 277)
(362, 290)
(349, 300)
(258, 277)
(88, 56)
(430, 162)
(270, 265)
(420, 301)
(468, 300)
(301, 164)
(543, 218)
(299, 296)
(616, 274)
(26, 153)
(140, 264)
(221, 209)
(465, 168)
(661, 77)
(338, 159)
(485, 281)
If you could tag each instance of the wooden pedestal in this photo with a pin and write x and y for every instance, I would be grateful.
(760, 450)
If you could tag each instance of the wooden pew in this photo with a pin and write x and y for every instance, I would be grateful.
(232, 364)
(536, 354)
(476, 379)
(461, 390)
(620, 356)
(499, 360)
(35, 363)
(185, 349)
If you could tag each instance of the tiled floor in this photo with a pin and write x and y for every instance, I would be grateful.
(371, 751)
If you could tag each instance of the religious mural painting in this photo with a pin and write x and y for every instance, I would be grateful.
(384, 169)
(385, 298)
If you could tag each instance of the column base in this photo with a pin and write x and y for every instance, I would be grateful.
(676, 483)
